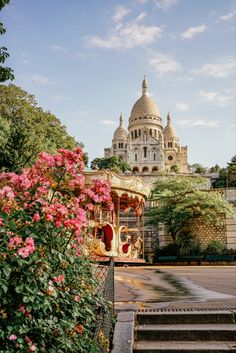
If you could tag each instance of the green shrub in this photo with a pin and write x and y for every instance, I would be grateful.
(215, 247)
(48, 291)
(188, 244)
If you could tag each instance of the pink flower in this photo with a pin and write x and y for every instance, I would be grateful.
(36, 217)
(49, 217)
(28, 249)
(12, 338)
(77, 298)
(32, 348)
(90, 206)
(15, 241)
(1, 222)
(58, 279)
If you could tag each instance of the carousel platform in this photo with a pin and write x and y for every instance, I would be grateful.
(119, 261)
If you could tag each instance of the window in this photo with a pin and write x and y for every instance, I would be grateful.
(132, 135)
(145, 169)
(151, 132)
(135, 170)
(145, 152)
(114, 146)
(154, 156)
(170, 158)
(135, 157)
(169, 144)
(135, 134)
(121, 145)
(139, 132)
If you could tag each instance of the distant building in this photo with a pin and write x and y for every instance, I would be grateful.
(146, 146)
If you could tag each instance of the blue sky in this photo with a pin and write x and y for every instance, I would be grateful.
(85, 61)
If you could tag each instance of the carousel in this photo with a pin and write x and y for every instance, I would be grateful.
(119, 233)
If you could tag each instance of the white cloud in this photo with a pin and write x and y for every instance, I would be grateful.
(163, 64)
(215, 97)
(165, 4)
(227, 17)
(192, 31)
(59, 98)
(127, 36)
(182, 106)
(25, 61)
(219, 70)
(59, 49)
(198, 122)
(120, 13)
(42, 80)
(108, 122)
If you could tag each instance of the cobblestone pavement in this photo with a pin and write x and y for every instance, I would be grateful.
(175, 287)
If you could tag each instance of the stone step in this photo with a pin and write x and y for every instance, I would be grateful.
(186, 317)
(184, 347)
(186, 332)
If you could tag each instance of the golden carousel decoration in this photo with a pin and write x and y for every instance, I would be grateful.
(111, 234)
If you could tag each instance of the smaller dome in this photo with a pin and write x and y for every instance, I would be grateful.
(121, 132)
(169, 131)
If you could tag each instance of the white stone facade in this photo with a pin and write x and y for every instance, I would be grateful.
(146, 146)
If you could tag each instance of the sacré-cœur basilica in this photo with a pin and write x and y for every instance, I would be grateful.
(146, 145)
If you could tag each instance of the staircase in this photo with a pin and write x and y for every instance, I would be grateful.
(185, 331)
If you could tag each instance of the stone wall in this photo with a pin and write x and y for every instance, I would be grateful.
(207, 233)
(231, 231)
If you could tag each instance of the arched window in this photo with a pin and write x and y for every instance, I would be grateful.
(154, 156)
(135, 170)
(136, 157)
(154, 169)
(145, 170)
(145, 152)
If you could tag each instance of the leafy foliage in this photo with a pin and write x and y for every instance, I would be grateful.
(180, 200)
(115, 163)
(215, 247)
(188, 244)
(26, 130)
(48, 292)
(227, 176)
(199, 169)
(6, 73)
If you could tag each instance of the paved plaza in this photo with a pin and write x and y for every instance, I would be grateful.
(175, 287)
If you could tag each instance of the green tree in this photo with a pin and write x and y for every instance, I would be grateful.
(174, 168)
(215, 169)
(180, 200)
(231, 172)
(26, 130)
(6, 73)
(115, 163)
(199, 169)
(227, 176)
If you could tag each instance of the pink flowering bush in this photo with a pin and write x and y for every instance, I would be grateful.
(48, 297)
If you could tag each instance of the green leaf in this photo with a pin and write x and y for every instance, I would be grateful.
(6, 270)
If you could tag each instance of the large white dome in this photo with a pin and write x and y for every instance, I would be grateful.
(145, 111)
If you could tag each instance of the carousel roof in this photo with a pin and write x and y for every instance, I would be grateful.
(131, 185)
